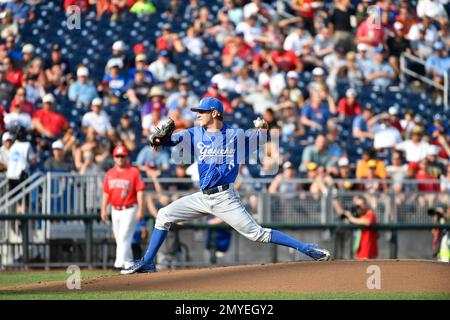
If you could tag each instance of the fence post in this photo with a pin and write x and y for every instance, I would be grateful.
(25, 240)
(393, 245)
(88, 224)
(212, 246)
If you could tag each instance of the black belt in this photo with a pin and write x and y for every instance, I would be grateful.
(217, 189)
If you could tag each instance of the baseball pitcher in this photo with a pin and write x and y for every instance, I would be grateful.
(123, 190)
(214, 147)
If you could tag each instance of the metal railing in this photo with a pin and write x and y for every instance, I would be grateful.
(404, 70)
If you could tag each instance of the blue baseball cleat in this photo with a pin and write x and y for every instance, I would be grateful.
(139, 266)
(317, 254)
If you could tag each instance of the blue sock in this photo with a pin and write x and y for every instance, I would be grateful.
(158, 237)
(285, 240)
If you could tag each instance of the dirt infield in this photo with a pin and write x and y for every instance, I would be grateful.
(333, 276)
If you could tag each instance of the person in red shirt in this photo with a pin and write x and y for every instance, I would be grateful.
(24, 105)
(82, 4)
(123, 190)
(349, 106)
(368, 240)
(371, 32)
(213, 91)
(13, 75)
(424, 175)
(47, 122)
(305, 9)
(285, 60)
(236, 47)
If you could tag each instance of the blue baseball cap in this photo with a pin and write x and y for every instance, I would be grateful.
(163, 53)
(439, 46)
(379, 50)
(209, 104)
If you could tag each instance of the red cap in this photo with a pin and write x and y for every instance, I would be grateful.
(139, 48)
(413, 166)
(120, 151)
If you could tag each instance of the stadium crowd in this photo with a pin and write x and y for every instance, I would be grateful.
(303, 67)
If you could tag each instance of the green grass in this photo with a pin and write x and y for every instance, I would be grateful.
(22, 278)
(169, 295)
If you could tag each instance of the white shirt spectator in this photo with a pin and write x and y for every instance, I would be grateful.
(250, 33)
(385, 137)
(413, 152)
(163, 72)
(251, 9)
(431, 33)
(99, 122)
(194, 45)
(4, 155)
(295, 42)
(224, 83)
(245, 86)
(277, 82)
(20, 156)
(147, 123)
(431, 8)
(23, 119)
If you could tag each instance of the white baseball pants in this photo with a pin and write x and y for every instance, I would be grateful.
(124, 223)
(225, 205)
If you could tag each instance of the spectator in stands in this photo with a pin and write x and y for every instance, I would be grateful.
(20, 100)
(360, 124)
(17, 117)
(425, 26)
(385, 135)
(322, 182)
(244, 83)
(7, 141)
(285, 188)
(223, 30)
(6, 87)
(429, 186)
(368, 34)
(261, 99)
(8, 26)
(156, 97)
(397, 44)
(119, 56)
(114, 85)
(362, 167)
(153, 119)
(348, 107)
(433, 9)
(297, 39)
(141, 65)
(285, 60)
(14, 52)
(149, 159)
(143, 8)
(225, 80)
(194, 43)
(81, 91)
(28, 55)
(56, 58)
(21, 11)
(317, 153)
(13, 75)
(335, 148)
(58, 162)
(89, 166)
(138, 89)
(47, 122)
(407, 123)
(438, 63)
(98, 120)
(415, 149)
(126, 133)
(397, 171)
(83, 5)
(379, 73)
(162, 69)
(323, 43)
(316, 113)
(306, 11)
(318, 74)
(340, 25)
(367, 242)
(34, 91)
(203, 22)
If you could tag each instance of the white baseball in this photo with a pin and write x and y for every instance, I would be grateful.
(258, 123)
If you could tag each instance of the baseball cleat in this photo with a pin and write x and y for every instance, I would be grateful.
(318, 254)
(139, 266)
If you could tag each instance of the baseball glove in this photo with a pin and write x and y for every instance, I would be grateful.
(162, 135)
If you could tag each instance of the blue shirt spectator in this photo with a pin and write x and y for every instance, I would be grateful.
(379, 73)
(81, 91)
(438, 63)
(20, 10)
(148, 157)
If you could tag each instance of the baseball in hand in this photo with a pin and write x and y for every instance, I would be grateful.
(259, 123)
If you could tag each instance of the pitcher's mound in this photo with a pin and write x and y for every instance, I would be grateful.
(332, 276)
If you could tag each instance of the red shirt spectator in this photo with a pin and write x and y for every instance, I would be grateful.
(423, 174)
(237, 47)
(368, 244)
(48, 122)
(13, 76)
(286, 60)
(82, 4)
(370, 33)
(349, 107)
(214, 92)
(25, 106)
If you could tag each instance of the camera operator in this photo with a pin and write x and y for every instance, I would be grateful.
(367, 239)
(441, 239)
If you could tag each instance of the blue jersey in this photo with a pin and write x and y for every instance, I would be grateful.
(219, 154)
